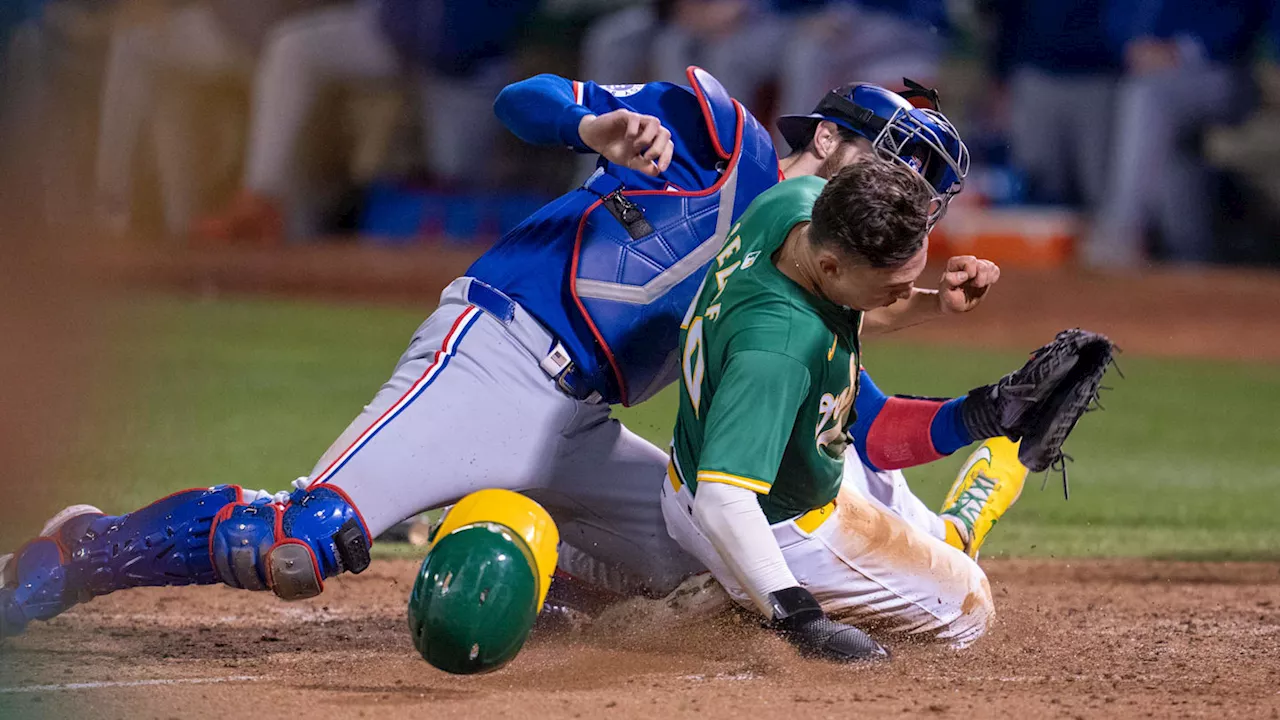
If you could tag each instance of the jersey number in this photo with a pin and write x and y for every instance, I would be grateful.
(694, 358)
(694, 363)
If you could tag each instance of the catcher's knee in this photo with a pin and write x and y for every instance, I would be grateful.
(290, 547)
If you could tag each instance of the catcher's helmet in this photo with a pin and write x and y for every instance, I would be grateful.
(483, 582)
(921, 138)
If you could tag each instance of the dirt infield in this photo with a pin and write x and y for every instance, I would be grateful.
(1120, 639)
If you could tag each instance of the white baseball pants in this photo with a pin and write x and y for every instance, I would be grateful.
(868, 564)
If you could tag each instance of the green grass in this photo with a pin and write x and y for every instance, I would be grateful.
(1184, 463)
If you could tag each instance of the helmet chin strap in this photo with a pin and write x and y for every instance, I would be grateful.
(916, 90)
(868, 121)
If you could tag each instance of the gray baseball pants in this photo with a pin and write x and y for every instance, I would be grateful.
(469, 407)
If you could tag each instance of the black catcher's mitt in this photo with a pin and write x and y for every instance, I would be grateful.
(1040, 402)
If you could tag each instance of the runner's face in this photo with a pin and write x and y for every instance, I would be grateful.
(862, 287)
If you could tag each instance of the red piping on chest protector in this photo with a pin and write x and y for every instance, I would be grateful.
(733, 158)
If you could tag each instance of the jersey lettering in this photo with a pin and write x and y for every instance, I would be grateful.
(832, 435)
(694, 364)
(834, 411)
(731, 247)
(722, 277)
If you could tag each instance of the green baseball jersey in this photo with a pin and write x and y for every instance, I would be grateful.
(769, 369)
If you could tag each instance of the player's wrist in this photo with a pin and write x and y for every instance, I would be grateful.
(979, 415)
(577, 119)
(930, 300)
(800, 620)
(792, 606)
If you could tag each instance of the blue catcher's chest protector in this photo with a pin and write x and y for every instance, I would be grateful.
(640, 255)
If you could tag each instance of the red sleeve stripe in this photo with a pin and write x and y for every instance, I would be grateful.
(900, 437)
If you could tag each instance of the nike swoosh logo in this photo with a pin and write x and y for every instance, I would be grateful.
(982, 453)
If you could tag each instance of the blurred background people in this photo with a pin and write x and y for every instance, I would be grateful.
(637, 42)
(878, 41)
(259, 121)
(1252, 149)
(1186, 67)
(181, 44)
(455, 49)
(776, 56)
(48, 102)
(1058, 74)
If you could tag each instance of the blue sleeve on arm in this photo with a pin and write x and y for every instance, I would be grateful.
(542, 111)
(867, 406)
(947, 432)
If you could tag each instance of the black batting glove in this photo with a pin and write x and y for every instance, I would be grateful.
(799, 619)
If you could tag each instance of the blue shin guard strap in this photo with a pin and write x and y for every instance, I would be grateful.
(242, 536)
(164, 543)
(326, 520)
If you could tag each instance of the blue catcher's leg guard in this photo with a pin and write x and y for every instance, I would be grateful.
(291, 547)
(196, 537)
(164, 543)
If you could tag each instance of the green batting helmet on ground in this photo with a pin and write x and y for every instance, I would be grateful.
(482, 583)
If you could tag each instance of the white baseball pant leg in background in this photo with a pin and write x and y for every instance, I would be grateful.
(300, 58)
(189, 39)
(890, 489)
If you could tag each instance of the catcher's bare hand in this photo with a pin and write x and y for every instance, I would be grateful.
(630, 139)
(965, 283)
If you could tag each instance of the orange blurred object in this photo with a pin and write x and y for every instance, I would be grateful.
(251, 219)
(1016, 237)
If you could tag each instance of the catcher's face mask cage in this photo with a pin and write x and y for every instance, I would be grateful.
(922, 139)
(926, 142)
